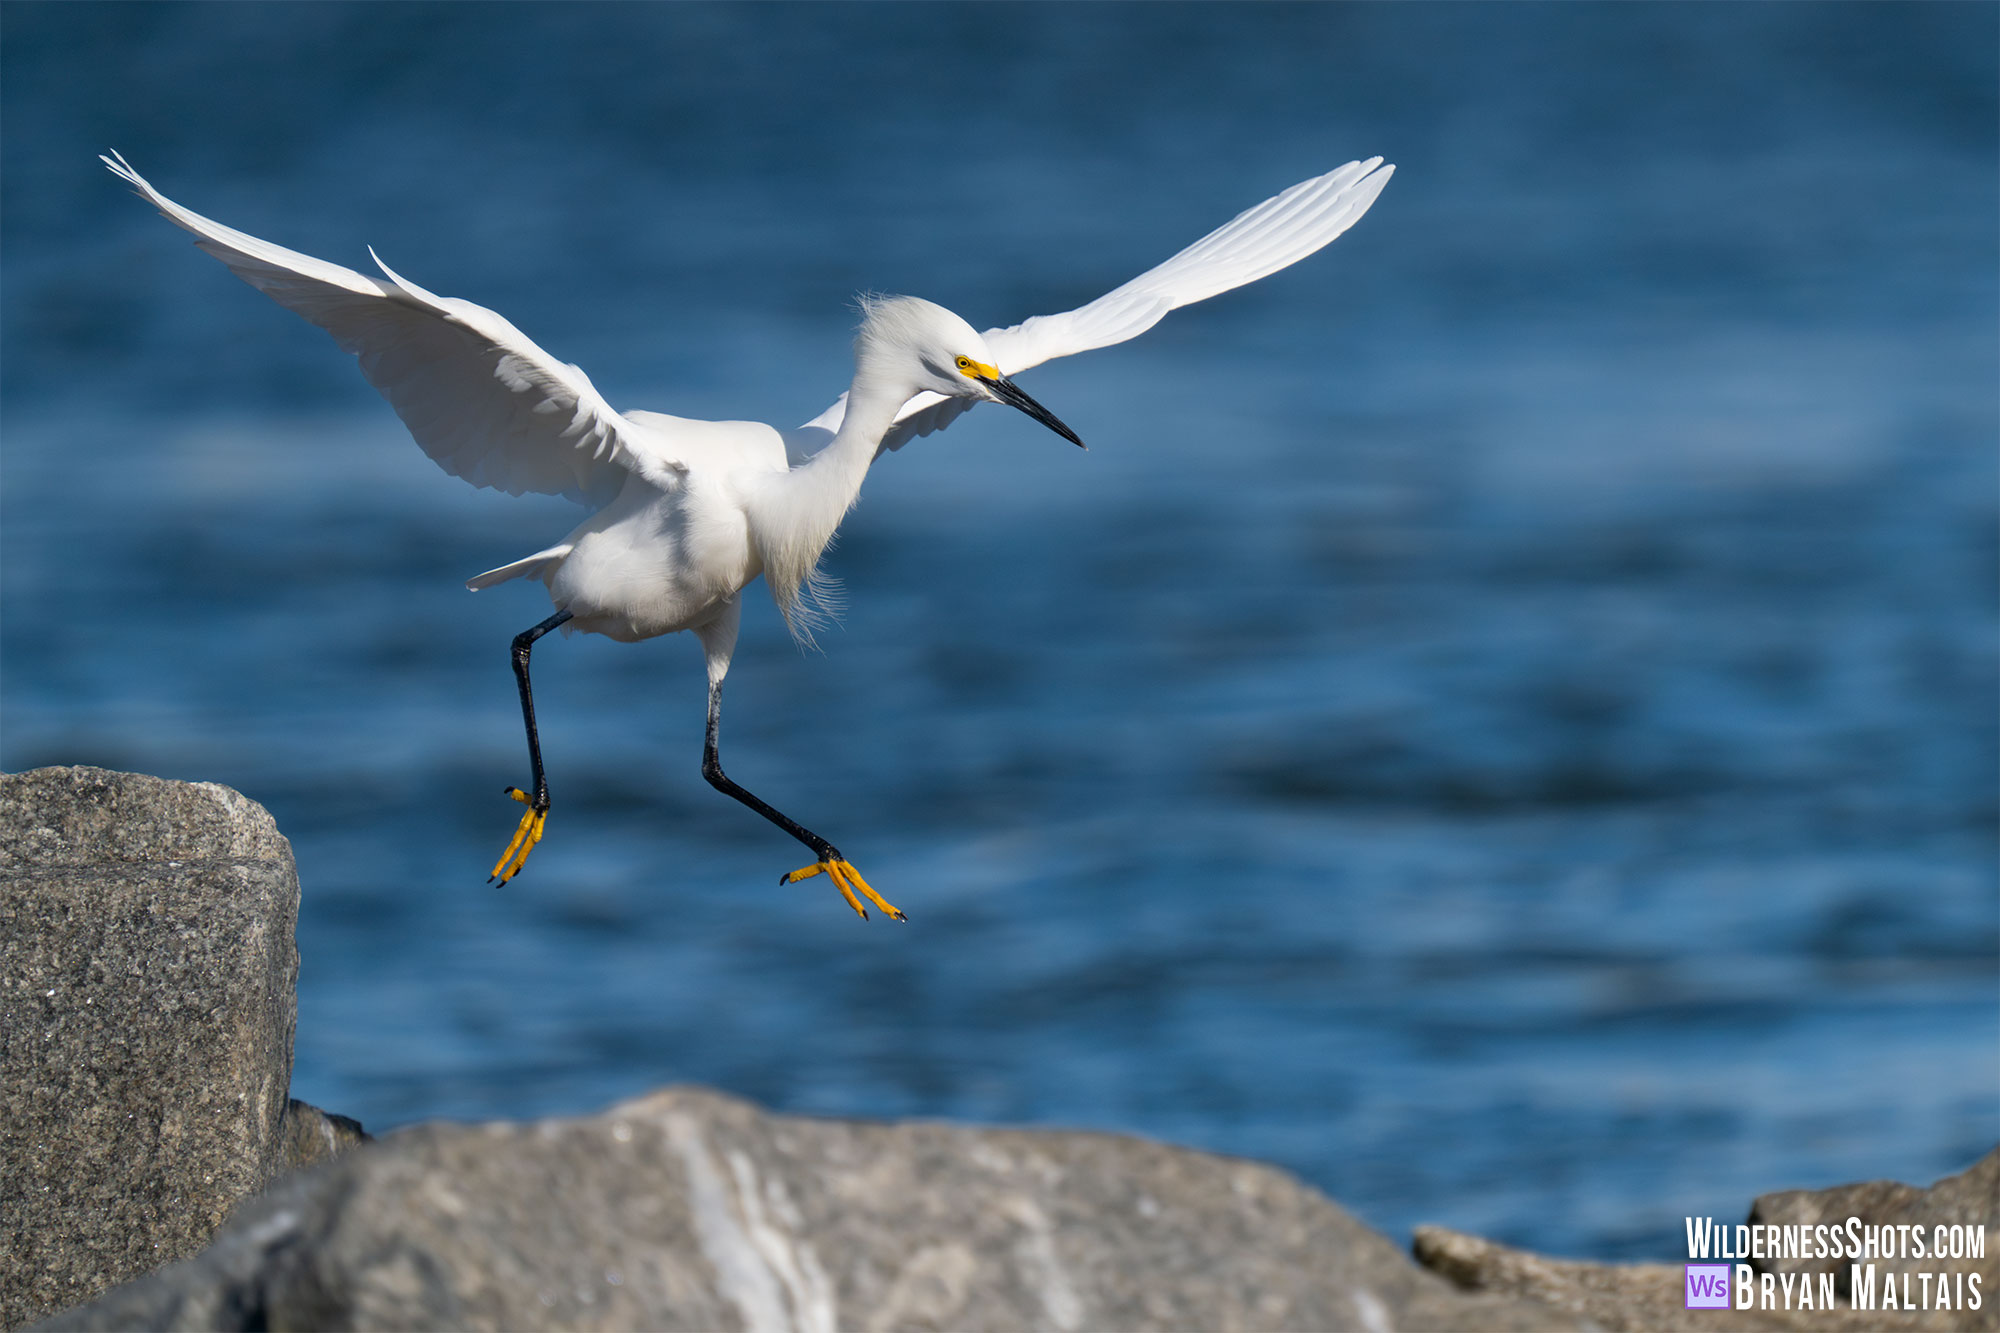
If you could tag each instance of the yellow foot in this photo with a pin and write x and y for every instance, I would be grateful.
(525, 837)
(847, 879)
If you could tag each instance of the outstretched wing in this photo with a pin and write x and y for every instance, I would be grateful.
(478, 395)
(1255, 244)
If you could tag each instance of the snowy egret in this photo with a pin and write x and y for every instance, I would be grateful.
(685, 514)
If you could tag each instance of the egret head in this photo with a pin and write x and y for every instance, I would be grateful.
(935, 350)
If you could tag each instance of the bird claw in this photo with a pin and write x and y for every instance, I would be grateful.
(847, 879)
(526, 835)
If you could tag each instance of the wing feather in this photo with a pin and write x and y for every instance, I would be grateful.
(1254, 244)
(478, 395)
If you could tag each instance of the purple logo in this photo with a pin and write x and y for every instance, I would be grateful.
(1707, 1287)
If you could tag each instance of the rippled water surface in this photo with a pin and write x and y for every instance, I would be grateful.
(1501, 721)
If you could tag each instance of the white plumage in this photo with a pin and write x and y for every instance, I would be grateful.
(685, 514)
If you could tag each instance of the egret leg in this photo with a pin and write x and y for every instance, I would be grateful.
(529, 832)
(829, 863)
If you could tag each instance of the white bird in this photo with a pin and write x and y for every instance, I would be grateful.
(686, 514)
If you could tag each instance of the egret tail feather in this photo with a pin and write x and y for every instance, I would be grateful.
(537, 566)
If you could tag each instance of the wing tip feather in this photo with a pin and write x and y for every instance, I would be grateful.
(124, 171)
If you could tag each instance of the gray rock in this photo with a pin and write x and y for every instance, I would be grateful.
(313, 1136)
(1970, 1197)
(94, 817)
(1641, 1298)
(146, 1012)
(1619, 1298)
(689, 1210)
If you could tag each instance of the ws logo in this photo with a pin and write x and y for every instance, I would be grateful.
(1707, 1287)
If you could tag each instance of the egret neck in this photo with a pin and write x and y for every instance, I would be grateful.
(793, 514)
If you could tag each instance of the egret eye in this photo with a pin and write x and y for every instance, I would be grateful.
(965, 364)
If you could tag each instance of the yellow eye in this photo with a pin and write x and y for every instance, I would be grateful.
(965, 364)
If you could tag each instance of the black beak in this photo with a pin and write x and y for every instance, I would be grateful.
(1010, 393)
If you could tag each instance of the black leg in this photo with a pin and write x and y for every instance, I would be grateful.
(828, 859)
(524, 643)
(711, 768)
(530, 831)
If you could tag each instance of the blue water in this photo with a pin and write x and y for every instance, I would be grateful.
(1501, 722)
